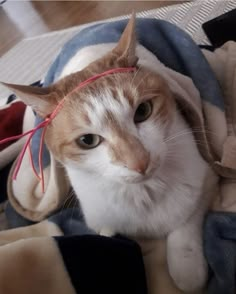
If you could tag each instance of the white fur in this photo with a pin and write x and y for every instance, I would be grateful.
(109, 201)
(166, 202)
(100, 103)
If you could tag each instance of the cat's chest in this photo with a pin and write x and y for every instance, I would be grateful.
(97, 194)
(103, 194)
(131, 209)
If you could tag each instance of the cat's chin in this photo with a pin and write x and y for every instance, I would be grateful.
(135, 180)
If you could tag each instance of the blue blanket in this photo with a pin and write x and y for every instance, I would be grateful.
(177, 51)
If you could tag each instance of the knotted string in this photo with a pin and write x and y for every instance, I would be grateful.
(43, 125)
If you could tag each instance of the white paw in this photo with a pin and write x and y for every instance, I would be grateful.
(187, 267)
(106, 232)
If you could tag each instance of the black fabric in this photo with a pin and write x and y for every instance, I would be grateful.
(3, 178)
(11, 98)
(221, 29)
(208, 47)
(103, 265)
(37, 84)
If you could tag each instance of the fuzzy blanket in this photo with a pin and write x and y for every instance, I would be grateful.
(75, 259)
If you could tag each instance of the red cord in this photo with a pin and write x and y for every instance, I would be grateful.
(22, 153)
(46, 122)
(41, 156)
(32, 163)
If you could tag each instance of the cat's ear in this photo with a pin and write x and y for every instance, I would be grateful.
(126, 46)
(42, 100)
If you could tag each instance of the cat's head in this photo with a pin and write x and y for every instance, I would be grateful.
(114, 127)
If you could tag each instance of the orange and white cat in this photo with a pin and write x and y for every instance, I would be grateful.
(129, 154)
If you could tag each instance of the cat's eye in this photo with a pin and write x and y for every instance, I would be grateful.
(143, 112)
(88, 141)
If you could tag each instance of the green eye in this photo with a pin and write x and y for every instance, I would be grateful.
(143, 112)
(89, 141)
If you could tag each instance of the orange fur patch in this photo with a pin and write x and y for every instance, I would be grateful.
(73, 119)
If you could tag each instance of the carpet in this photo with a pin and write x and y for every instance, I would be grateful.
(28, 61)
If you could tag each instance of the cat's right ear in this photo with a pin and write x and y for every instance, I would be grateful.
(126, 46)
(42, 100)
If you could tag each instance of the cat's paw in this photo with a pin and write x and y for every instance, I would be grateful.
(106, 232)
(187, 265)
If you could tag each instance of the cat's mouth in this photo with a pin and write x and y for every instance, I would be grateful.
(140, 178)
(136, 179)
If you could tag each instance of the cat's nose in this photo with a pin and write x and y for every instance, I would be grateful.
(139, 166)
(141, 170)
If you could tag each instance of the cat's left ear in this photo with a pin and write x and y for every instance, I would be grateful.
(42, 100)
(126, 46)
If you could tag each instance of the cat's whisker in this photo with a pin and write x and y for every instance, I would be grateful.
(207, 131)
(172, 143)
(174, 159)
(161, 184)
(136, 73)
(74, 206)
(141, 80)
(63, 205)
(182, 133)
(68, 198)
(176, 136)
(71, 201)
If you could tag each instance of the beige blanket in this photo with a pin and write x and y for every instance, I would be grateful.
(218, 148)
(223, 63)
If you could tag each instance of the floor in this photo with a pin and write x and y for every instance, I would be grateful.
(21, 19)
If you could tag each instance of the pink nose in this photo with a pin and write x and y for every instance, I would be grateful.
(139, 166)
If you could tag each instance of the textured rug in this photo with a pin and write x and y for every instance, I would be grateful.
(28, 61)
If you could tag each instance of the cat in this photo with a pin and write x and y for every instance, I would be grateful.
(129, 153)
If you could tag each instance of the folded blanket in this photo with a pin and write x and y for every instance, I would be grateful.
(205, 90)
(176, 52)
